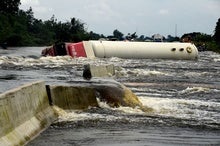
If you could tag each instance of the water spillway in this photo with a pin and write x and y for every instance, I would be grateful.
(85, 94)
(29, 109)
(24, 113)
(124, 49)
(183, 94)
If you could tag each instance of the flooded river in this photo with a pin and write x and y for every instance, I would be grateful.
(184, 96)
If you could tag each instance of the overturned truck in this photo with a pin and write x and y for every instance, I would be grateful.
(124, 49)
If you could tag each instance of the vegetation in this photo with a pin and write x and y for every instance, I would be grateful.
(20, 28)
(9, 6)
(23, 29)
(217, 32)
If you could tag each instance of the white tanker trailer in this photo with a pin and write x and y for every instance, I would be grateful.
(125, 49)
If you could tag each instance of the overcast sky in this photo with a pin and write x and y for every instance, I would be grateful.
(146, 17)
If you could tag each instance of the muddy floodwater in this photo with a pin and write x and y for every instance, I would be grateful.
(184, 96)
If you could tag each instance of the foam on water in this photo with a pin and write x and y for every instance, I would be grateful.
(76, 115)
(183, 108)
(216, 57)
(191, 90)
(143, 72)
(27, 61)
(184, 94)
(180, 89)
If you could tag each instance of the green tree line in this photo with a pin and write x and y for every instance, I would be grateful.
(20, 28)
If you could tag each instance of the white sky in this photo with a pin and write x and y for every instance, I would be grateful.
(145, 17)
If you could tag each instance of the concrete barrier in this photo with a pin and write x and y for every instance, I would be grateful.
(84, 94)
(98, 71)
(73, 97)
(24, 113)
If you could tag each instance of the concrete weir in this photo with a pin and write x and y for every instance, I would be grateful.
(24, 113)
(29, 109)
(84, 94)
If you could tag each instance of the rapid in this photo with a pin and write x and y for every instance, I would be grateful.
(184, 96)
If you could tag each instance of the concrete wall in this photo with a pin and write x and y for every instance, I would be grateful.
(73, 97)
(24, 112)
(99, 70)
(84, 94)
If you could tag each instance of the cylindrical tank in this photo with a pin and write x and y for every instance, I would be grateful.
(141, 50)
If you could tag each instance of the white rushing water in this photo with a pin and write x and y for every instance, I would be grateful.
(184, 95)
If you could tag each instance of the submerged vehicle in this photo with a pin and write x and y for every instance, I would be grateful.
(124, 49)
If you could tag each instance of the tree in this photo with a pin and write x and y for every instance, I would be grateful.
(172, 38)
(217, 32)
(9, 6)
(117, 34)
(202, 37)
(76, 25)
(94, 36)
(78, 32)
(141, 38)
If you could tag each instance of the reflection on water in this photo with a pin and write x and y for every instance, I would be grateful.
(184, 96)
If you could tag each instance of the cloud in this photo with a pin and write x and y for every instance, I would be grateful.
(39, 9)
(163, 12)
(146, 16)
(30, 2)
(101, 16)
(213, 7)
(100, 11)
